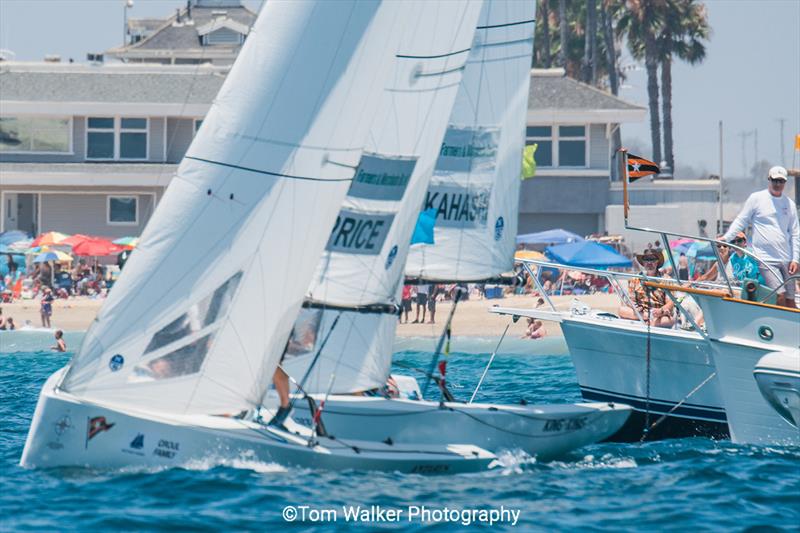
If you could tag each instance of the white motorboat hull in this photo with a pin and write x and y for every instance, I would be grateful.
(610, 358)
(778, 378)
(68, 431)
(742, 333)
(544, 431)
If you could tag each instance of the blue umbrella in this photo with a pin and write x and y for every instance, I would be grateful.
(701, 251)
(12, 236)
(587, 254)
(51, 256)
(553, 236)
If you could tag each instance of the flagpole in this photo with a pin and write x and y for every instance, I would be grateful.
(623, 161)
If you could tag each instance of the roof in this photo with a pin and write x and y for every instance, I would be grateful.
(175, 35)
(112, 175)
(74, 89)
(555, 96)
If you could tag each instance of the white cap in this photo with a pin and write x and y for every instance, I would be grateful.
(777, 173)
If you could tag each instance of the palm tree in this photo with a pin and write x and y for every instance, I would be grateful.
(563, 33)
(642, 23)
(685, 30)
(590, 44)
(607, 14)
(545, 51)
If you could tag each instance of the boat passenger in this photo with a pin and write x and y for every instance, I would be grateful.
(776, 234)
(656, 308)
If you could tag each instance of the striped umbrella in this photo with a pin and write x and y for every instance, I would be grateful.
(49, 238)
(127, 242)
(55, 255)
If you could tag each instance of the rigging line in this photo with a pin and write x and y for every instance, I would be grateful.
(489, 364)
(492, 26)
(405, 56)
(646, 429)
(439, 73)
(677, 405)
(440, 344)
(266, 172)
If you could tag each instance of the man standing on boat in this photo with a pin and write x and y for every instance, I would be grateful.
(776, 234)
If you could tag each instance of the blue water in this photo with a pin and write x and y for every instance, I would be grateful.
(672, 485)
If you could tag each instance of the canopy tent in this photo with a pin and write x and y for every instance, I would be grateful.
(587, 254)
(553, 236)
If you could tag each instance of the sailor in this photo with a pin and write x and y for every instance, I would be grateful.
(776, 234)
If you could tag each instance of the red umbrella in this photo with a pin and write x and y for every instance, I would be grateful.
(96, 247)
(77, 239)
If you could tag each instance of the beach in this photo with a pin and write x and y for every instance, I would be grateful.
(471, 319)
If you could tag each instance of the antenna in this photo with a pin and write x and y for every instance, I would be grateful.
(744, 135)
(782, 121)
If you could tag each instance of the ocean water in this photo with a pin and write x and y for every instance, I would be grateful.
(668, 485)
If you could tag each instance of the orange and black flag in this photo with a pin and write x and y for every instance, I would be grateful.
(639, 167)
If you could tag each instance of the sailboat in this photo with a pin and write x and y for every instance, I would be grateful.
(474, 188)
(175, 366)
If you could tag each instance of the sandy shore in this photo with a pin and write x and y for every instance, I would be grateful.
(471, 319)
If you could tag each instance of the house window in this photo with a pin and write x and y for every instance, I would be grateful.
(36, 134)
(572, 146)
(559, 146)
(116, 138)
(123, 210)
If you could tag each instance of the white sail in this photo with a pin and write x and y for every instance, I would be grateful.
(475, 187)
(364, 259)
(203, 309)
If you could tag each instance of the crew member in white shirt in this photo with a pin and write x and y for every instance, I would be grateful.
(776, 234)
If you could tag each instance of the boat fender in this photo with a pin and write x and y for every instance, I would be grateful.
(388, 441)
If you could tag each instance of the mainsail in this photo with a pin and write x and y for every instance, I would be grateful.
(201, 314)
(475, 187)
(362, 266)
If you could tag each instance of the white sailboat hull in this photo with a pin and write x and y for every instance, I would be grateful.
(545, 431)
(67, 431)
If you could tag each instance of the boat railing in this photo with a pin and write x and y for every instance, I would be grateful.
(613, 278)
(715, 244)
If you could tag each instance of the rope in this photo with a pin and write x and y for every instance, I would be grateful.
(445, 334)
(665, 415)
(491, 359)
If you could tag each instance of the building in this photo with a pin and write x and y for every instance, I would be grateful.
(90, 149)
(205, 31)
(573, 125)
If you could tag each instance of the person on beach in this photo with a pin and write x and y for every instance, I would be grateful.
(60, 345)
(432, 303)
(652, 304)
(3, 322)
(405, 303)
(47, 307)
(422, 302)
(10, 326)
(535, 329)
(683, 267)
(776, 234)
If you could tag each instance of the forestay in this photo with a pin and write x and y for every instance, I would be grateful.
(364, 259)
(475, 187)
(205, 304)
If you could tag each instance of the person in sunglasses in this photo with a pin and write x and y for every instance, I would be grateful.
(775, 236)
(653, 304)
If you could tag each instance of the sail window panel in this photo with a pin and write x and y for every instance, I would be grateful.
(36, 134)
(198, 316)
(304, 333)
(181, 362)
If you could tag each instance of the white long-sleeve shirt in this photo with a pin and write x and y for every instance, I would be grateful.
(776, 231)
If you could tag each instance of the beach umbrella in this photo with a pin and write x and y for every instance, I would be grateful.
(128, 242)
(587, 254)
(55, 255)
(553, 236)
(49, 238)
(12, 236)
(76, 239)
(20, 246)
(701, 251)
(528, 254)
(96, 247)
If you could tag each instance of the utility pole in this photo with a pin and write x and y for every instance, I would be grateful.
(781, 121)
(744, 135)
(755, 147)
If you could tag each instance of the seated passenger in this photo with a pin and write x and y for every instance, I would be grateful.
(656, 308)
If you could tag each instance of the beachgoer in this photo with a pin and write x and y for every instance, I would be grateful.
(652, 304)
(683, 267)
(60, 345)
(535, 329)
(405, 303)
(47, 307)
(3, 322)
(10, 324)
(432, 303)
(422, 302)
(776, 234)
